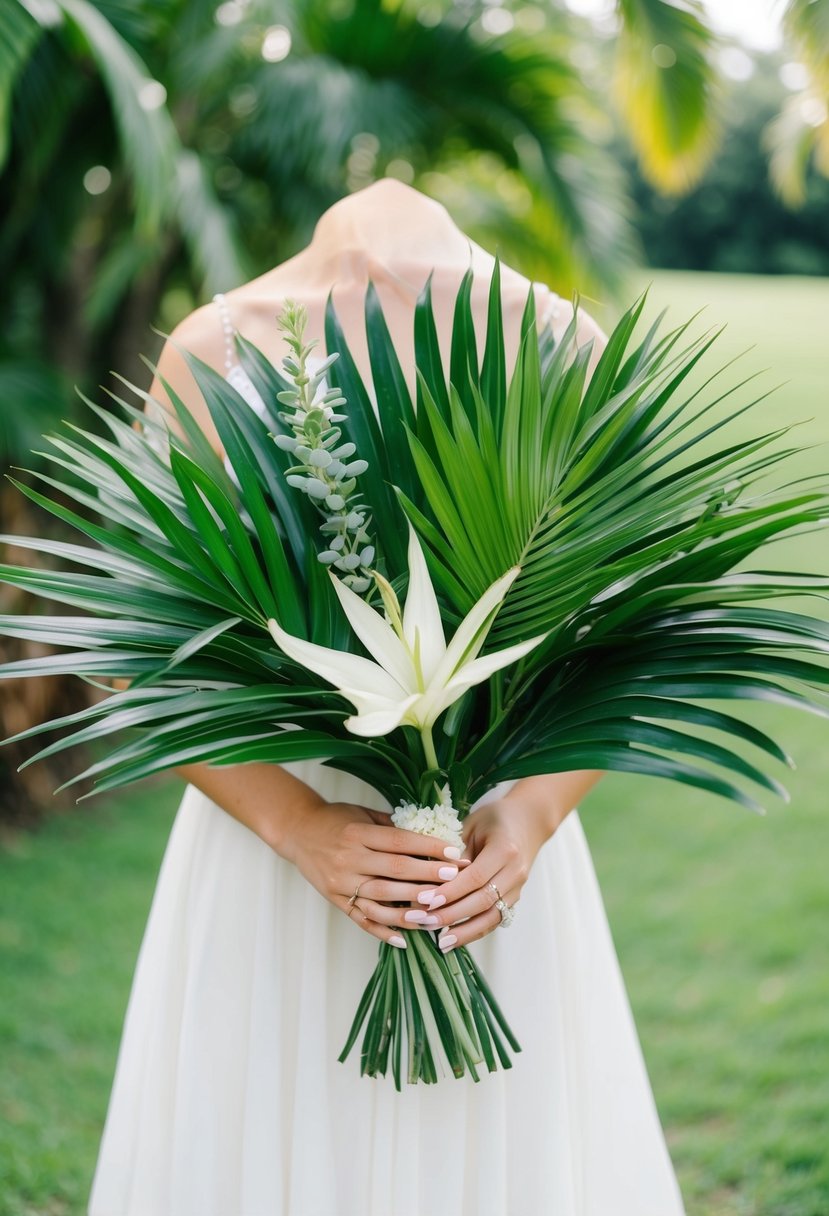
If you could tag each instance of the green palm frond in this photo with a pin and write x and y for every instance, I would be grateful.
(146, 133)
(519, 222)
(19, 32)
(207, 227)
(169, 181)
(665, 85)
(796, 139)
(806, 27)
(624, 498)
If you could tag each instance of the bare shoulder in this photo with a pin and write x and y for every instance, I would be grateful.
(200, 334)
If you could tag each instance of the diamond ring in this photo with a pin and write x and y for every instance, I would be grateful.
(507, 914)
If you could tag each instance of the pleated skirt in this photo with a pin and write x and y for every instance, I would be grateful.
(228, 1098)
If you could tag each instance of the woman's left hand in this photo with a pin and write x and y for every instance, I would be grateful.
(503, 838)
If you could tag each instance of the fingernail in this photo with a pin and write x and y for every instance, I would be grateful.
(448, 872)
(437, 902)
(416, 915)
(452, 851)
(431, 920)
(397, 940)
(446, 942)
(426, 897)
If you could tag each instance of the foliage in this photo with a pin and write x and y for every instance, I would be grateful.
(627, 536)
(666, 85)
(734, 220)
(184, 162)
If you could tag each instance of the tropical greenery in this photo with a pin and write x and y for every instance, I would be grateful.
(627, 531)
(717, 918)
(192, 145)
(625, 527)
(734, 219)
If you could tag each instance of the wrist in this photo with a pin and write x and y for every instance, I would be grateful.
(542, 816)
(282, 828)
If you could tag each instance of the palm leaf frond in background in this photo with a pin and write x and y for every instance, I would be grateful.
(798, 138)
(19, 32)
(665, 85)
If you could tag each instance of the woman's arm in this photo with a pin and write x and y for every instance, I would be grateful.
(264, 797)
(548, 798)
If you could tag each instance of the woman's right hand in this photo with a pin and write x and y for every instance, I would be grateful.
(338, 846)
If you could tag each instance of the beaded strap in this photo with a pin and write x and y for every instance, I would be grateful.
(227, 327)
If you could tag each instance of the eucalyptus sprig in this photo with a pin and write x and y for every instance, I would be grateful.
(327, 471)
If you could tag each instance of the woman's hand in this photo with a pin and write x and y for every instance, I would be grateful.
(339, 846)
(502, 838)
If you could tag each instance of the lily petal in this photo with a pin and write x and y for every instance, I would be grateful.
(482, 668)
(421, 612)
(338, 667)
(376, 634)
(471, 634)
(380, 721)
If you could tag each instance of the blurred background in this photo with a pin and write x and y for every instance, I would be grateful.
(153, 152)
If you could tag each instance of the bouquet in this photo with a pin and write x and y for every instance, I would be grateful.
(502, 577)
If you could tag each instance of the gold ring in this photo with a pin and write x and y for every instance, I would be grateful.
(353, 899)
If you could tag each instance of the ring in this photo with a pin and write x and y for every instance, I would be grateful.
(507, 914)
(353, 899)
(497, 892)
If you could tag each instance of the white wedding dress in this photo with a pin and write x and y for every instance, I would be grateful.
(228, 1098)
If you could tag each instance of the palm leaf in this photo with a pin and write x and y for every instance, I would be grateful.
(664, 85)
(147, 137)
(628, 518)
(19, 32)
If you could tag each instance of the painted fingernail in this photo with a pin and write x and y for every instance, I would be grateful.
(431, 920)
(426, 897)
(452, 851)
(417, 915)
(397, 940)
(446, 942)
(448, 872)
(437, 902)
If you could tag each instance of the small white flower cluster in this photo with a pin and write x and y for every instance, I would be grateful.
(439, 820)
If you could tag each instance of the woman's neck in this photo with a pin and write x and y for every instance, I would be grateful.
(387, 227)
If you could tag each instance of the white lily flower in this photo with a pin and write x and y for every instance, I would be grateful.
(413, 675)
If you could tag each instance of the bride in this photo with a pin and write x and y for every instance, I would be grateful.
(228, 1098)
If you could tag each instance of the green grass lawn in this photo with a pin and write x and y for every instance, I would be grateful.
(719, 915)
